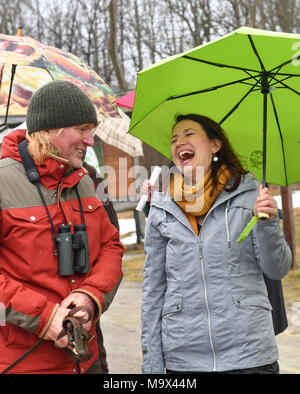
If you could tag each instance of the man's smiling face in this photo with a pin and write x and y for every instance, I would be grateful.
(72, 142)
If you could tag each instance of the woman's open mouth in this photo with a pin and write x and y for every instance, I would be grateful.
(186, 156)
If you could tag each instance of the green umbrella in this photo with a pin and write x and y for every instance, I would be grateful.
(248, 81)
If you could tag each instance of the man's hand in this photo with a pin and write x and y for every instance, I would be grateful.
(265, 203)
(56, 326)
(73, 300)
(76, 299)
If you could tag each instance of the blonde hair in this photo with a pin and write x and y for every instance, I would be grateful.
(40, 147)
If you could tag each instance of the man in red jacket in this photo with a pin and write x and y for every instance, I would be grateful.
(36, 291)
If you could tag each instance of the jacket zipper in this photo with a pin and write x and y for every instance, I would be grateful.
(206, 303)
(205, 289)
(227, 224)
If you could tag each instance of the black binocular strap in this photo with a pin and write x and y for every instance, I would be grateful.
(34, 177)
(80, 205)
(54, 235)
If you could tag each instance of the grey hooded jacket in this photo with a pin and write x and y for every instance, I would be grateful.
(205, 305)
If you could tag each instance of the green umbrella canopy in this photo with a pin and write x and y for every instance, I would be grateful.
(225, 79)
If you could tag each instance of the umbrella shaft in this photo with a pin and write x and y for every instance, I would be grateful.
(13, 70)
(265, 108)
(265, 89)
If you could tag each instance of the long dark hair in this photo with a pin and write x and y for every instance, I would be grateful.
(226, 154)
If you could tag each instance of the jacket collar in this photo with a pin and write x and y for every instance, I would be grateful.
(165, 201)
(54, 173)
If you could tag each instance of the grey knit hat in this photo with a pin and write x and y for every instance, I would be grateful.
(59, 104)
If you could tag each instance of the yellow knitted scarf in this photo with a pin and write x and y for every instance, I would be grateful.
(197, 200)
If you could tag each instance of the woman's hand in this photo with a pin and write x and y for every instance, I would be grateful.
(146, 189)
(265, 203)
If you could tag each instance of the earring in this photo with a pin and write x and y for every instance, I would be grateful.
(215, 158)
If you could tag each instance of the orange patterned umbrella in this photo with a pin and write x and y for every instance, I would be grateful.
(26, 65)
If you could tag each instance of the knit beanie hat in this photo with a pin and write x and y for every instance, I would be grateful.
(59, 104)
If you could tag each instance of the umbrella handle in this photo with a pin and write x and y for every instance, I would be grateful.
(263, 216)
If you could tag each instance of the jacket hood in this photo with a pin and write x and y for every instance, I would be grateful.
(10, 144)
(52, 170)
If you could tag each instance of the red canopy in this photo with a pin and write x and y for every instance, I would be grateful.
(127, 100)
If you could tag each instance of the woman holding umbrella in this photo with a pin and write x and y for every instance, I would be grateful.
(205, 306)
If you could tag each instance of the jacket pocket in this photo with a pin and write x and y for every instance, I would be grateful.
(253, 322)
(23, 224)
(172, 324)
(90, 208)
(252, 300)
(29, 215)
(89, 205)
(174, 306)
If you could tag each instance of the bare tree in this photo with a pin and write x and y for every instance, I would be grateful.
(11, 16)
(276, 15)
(197, 17)
(113, 50)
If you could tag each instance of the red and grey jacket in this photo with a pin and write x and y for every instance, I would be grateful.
(30, 287)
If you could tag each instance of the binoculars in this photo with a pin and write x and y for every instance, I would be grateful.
(73, 250)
